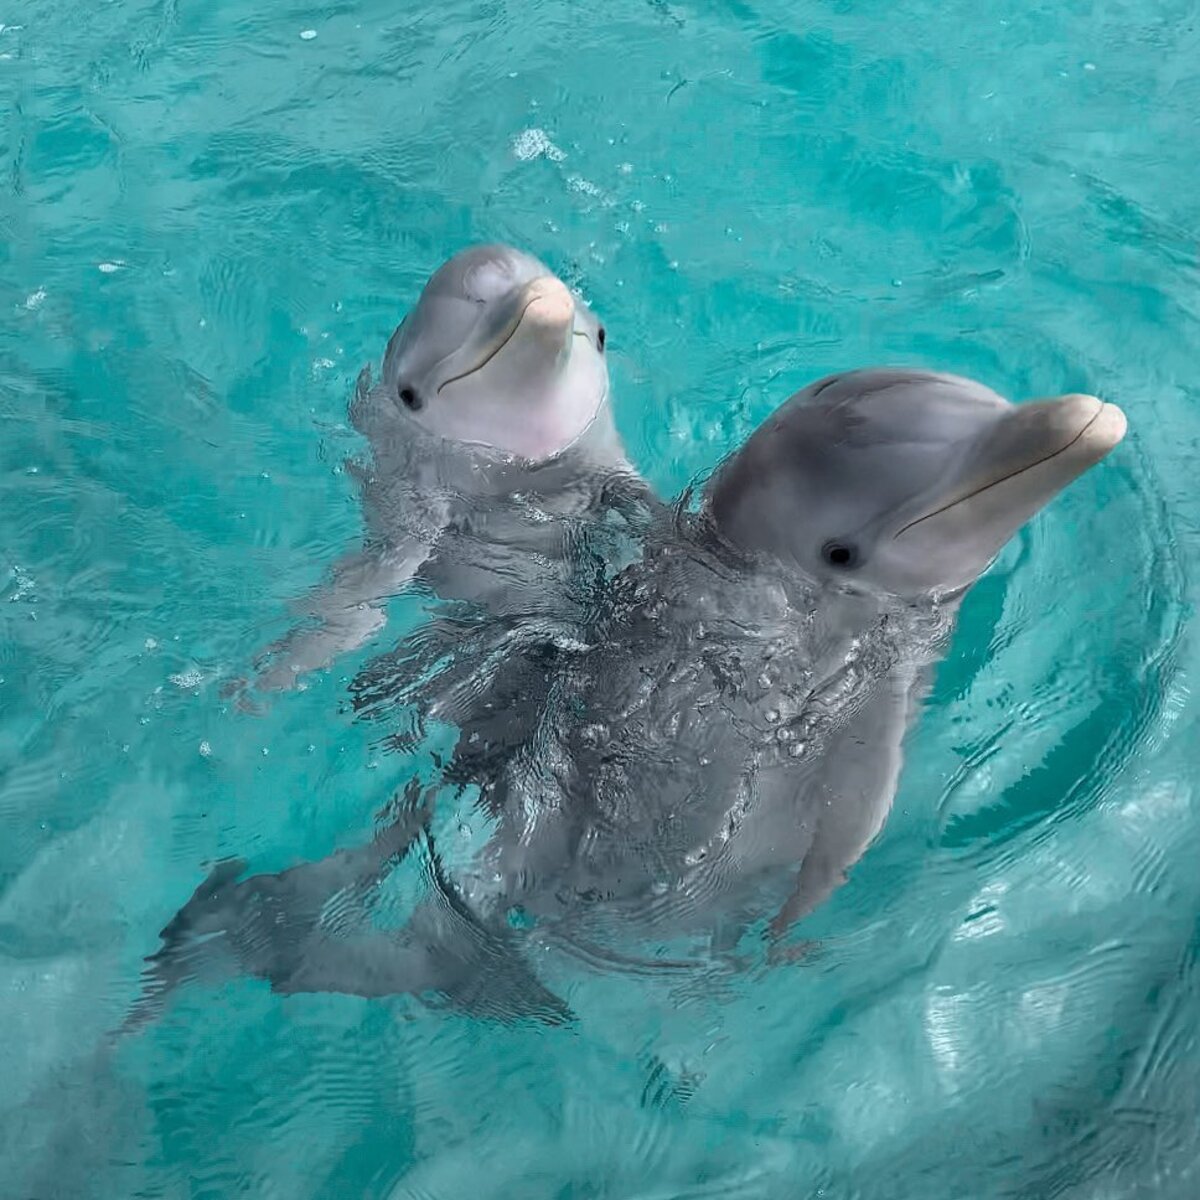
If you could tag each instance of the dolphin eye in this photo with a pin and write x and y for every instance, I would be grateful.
(410, 399)
(839, 554)
(601, 338)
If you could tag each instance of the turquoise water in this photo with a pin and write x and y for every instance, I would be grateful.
(213, 215)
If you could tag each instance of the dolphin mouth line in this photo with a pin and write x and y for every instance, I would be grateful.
(508, 337)
(1003, 478)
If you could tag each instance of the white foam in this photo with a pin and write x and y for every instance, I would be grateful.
(535, 143)
(577, 183)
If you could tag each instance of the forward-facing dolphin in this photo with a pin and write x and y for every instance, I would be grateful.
(492, 414)
(727, 740)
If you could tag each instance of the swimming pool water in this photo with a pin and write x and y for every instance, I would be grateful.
(213, 215)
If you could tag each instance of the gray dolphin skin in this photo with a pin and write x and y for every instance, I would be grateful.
(492, 412)
(722, 739)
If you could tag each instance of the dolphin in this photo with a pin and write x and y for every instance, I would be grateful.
(491, 414)
(722, 740)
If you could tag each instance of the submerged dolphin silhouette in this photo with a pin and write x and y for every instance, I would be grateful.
(727, 741)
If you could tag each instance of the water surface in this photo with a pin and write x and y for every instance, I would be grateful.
(213, 215)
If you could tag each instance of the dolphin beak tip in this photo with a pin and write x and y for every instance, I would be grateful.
(1105, 426)
(1109, 427)
(551, 304)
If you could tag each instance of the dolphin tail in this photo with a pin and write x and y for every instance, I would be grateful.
(437, 958)
(181, 957)
(293, 930)
(445, 953)
(266, 924)
(479, 968)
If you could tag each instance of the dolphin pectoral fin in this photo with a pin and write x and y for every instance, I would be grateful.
(812, 889)
(347, 612)
(860, 771)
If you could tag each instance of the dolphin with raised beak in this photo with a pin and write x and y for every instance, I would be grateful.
(491, 414)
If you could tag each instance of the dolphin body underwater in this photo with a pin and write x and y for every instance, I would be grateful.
(492, 414)
(722, 741)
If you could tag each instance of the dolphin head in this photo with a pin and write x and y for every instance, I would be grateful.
(902, 481)
(498, 353)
